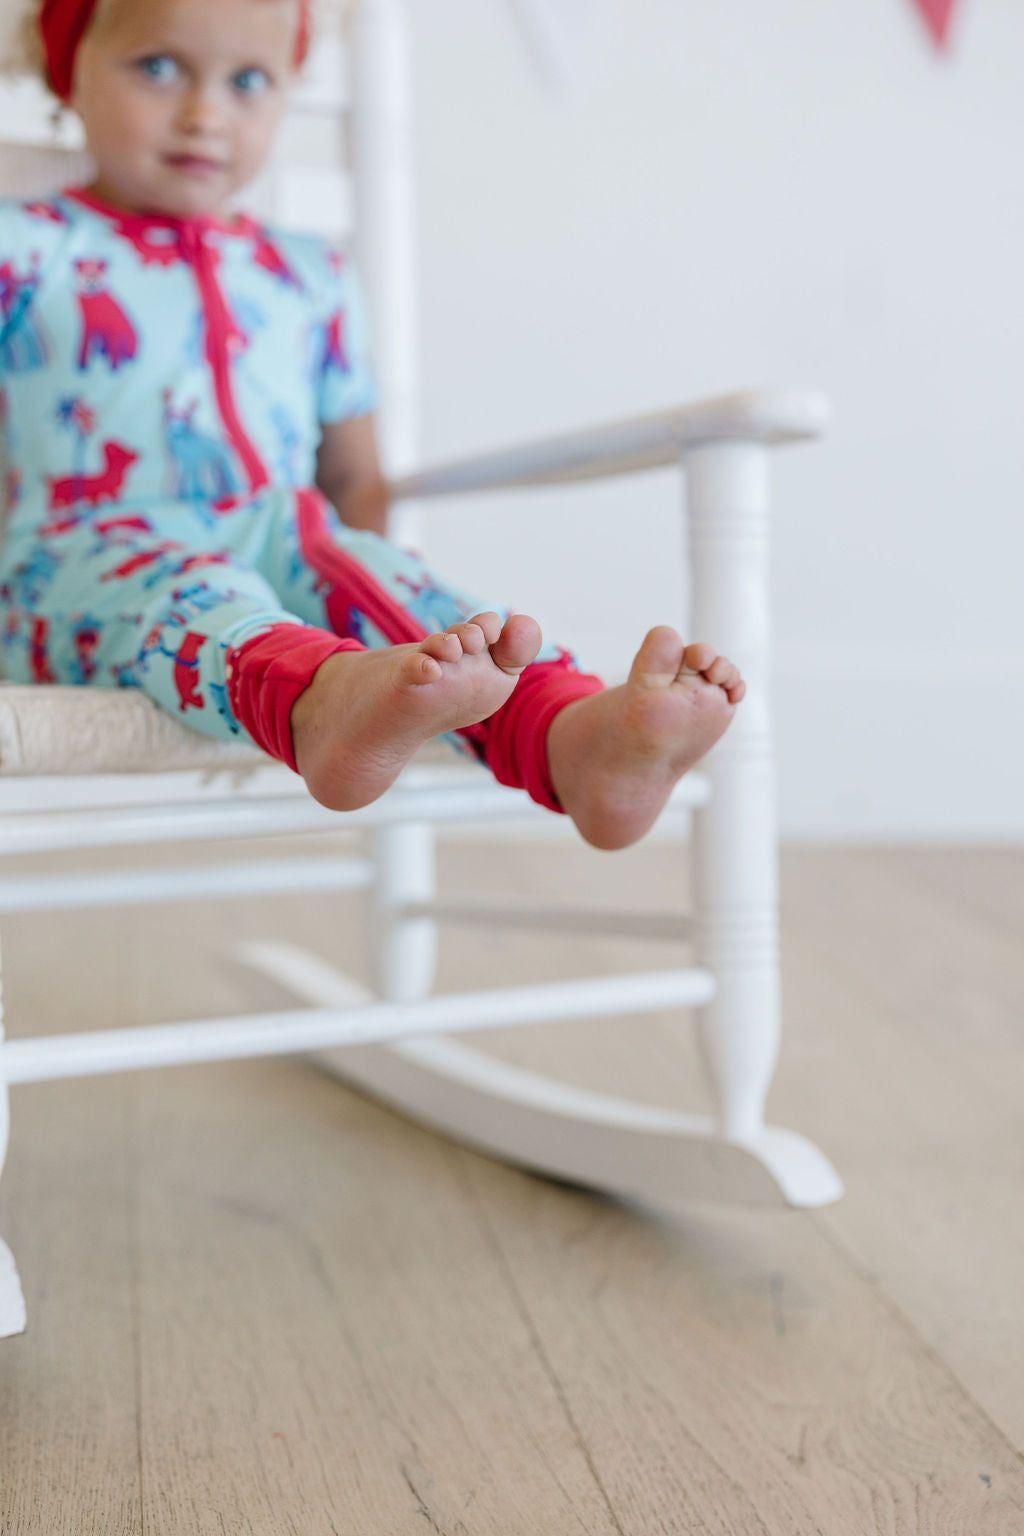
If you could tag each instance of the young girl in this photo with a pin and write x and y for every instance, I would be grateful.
(194, 501)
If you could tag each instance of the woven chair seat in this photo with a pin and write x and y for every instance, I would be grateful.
(54, 730)
(57, 731)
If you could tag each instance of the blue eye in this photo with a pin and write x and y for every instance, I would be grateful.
(250, 82)
(158, 66)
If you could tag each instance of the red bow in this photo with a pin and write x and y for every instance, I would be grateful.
(63, 24)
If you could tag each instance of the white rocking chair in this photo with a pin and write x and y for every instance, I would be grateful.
(88, 768)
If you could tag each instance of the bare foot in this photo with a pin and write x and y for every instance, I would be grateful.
(366, 712)
(615, 757)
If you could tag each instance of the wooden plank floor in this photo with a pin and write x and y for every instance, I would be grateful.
(260, 1303)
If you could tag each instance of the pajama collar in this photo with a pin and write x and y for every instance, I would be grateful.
(144, 224)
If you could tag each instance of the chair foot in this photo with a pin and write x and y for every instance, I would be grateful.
(802, 1173)
(12, 1302)
(591, 1139)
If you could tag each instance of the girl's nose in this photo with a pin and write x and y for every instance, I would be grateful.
(200, 112)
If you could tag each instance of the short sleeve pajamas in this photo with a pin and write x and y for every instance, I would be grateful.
(163, 383)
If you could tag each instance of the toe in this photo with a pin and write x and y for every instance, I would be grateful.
(442, 647)
(419, 667)
(698, 656)
(490, 623)
(659, 658)
(472, 638)
(517, 644)
(720, 671)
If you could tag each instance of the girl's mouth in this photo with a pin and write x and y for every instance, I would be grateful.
(194, 165)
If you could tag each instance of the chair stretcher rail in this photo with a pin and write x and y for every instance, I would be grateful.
(671, 926)
(200, 882)
(313, 1029)
(484, 802)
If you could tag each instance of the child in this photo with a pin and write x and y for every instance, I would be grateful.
(175, 382)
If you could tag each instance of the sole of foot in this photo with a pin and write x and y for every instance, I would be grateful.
(616, 757)
(367, 712)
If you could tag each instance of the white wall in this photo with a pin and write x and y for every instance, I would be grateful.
(788, 192)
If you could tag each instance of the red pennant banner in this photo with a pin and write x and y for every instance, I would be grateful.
(937, 15)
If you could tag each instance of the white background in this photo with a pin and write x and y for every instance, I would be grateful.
(788, 192)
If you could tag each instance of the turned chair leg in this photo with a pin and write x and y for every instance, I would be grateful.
(735, 847)
(12, 1302)
(404, 947)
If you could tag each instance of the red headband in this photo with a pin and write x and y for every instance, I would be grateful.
(63, 24)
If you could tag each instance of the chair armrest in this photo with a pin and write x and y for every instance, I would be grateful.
(626, 447)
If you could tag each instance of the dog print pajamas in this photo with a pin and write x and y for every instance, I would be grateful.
(163, 383)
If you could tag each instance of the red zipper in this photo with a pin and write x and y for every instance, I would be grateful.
(222, 338)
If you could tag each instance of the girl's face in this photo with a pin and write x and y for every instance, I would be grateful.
(181, 98)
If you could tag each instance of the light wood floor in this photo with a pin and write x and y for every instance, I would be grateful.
(262, 1304)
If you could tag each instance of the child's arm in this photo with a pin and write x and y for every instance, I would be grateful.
(348, 472)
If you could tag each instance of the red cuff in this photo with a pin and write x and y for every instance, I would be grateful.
(265, 676)
(515, 738)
